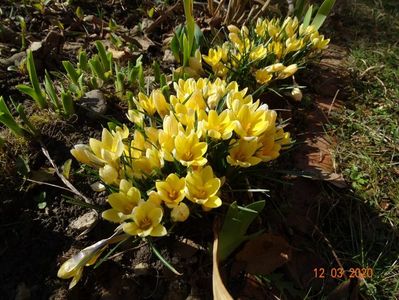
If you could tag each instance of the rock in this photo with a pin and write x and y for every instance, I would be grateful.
(15, 60)
(141, 269)
(95, 104)
(84, 222)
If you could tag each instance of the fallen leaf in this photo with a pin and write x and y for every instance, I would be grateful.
(264, 254)
(219, 290)
(143, 42)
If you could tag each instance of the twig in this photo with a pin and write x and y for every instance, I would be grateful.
(62, 177)
(332, 103)
(252, 11)
(262, 10)
(48, 184)
(316, 228)
(216, 12)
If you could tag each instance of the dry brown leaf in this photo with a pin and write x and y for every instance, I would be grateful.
(116, 54)
(264, 254)
(143, 42)
(219, 290)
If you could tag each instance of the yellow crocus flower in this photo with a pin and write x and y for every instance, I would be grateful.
(288, 71)
(148, 164)
(109, 149)
(258, 53)
(262, 76)
(147, 218)
(243, 153)
(219, 126)
(161, 106)
(84, 154)
(135, 117)
(171, 191)
(189, 151)
(214, 56)
(122, 203)
(252, 121)
(202, 188)
(146, 103)
(270, 149)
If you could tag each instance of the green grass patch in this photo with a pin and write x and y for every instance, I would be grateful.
(368, 148)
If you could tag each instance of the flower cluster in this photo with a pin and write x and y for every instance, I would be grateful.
(179, 150)
(271, 50)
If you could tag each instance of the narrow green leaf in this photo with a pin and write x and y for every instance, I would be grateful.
(50, 90)
(67, 103)
(97, 68)
(157, 71)
(30, 64)
(83, 61)
(299, 8)
(174, 46)
(164, 261)
(79, 13)
(308, 17)
(186, 51)
(72, 73)
(21, 112)
(322, 13)
(66, 168)
(25, 89)
(103, 56)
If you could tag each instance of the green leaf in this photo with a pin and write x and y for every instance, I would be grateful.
(322, 13)
(299, 8)
(8, 120)
(186, 51)
(22, 165)
(21, 112)
(97, 68)
(103, 56)
(235, 226)
(72, 73)
(79, 13)
(83, 61)
(30, 64)
(67, 103)
(27, 90)
(163, 260)
(174, 46)
(50, 90)
(157, 71)
(66, 168)
(308, 17)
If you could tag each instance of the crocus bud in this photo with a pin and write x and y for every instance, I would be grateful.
(180, 213)
(296, 94)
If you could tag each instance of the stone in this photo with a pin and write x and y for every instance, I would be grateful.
(94, 103)
(84, 222)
